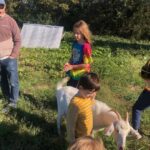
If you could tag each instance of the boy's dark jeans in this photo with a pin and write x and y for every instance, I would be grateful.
(9, 79)
(141, 104)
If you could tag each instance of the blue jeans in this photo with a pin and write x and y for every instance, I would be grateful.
(9, 79)
(141, 104)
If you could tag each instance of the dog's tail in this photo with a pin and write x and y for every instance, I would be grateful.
(61, 83)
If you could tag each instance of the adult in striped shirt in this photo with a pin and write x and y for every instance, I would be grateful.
(10, 42)
(79, 115)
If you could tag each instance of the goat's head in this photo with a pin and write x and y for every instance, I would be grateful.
(120, 129)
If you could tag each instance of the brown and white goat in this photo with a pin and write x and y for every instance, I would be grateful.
(103, 115)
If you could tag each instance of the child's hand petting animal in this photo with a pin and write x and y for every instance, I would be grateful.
(93, 96)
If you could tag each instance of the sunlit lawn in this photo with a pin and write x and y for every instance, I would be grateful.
(32, 126)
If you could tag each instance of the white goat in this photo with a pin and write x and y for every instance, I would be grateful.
(103, 115)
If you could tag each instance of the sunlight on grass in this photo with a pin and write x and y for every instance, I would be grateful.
(32, 126)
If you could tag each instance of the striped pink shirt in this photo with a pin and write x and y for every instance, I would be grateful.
(10, 39)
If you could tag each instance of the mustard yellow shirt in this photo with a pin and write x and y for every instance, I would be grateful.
(79, 118)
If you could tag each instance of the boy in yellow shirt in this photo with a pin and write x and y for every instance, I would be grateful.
(79, 115)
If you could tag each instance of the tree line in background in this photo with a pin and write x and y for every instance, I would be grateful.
(126, 18)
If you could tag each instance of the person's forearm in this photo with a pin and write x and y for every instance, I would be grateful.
(80, 66)
(15, 50)
(16, 36)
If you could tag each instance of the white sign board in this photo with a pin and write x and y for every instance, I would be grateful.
(41, 36)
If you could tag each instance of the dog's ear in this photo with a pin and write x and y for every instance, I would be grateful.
(109, 130)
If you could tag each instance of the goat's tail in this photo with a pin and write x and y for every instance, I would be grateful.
(61, 83)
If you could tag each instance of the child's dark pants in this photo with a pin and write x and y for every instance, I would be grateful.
(141, 104)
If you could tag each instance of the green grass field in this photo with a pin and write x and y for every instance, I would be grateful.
(32, 126)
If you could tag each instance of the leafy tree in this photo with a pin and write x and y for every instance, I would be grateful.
(39, 11)
(127, 18)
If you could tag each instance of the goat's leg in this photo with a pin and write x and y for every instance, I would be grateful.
(135, 133)
(59, 119)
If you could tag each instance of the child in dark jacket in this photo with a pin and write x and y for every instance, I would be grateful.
(143, 101)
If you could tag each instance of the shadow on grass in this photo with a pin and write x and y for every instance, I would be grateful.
(48, 103)
(144, 134)
(15, 137)
(121, 45)
(1, 96)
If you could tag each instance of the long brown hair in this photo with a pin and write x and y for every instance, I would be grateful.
(82, 26)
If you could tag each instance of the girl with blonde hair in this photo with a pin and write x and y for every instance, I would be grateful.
(81, 56)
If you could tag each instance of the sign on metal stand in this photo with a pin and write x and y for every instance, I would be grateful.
(41, 36)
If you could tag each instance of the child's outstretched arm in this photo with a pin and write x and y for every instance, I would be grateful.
(68, 67)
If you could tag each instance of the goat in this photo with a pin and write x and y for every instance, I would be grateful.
(103, 115)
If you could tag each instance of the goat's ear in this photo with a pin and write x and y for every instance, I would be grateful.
(135, 133)
(127, 117)
(109, 130)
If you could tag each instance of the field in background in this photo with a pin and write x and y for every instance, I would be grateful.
(33, 125)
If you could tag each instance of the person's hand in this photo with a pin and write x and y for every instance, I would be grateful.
(93, 95)
(11, 57)
(66, 64)
(67, 67)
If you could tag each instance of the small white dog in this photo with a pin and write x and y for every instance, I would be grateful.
(103, 115)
